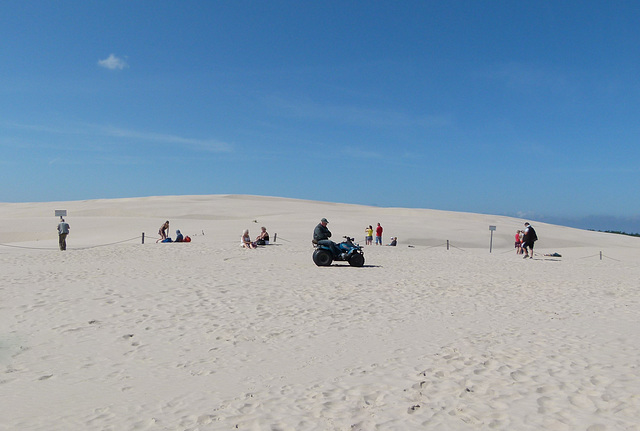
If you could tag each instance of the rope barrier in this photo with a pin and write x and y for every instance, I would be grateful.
(434, 246)
(74, 248)
(105, 245)
(600, 255)
(611, 258)
(440, 245)
(587, 257)
(512, 250)
(30, 248)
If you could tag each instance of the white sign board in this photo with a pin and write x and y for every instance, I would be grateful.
(61, 213)
(492, 228)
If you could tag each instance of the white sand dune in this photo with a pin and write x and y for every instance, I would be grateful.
(114, 334)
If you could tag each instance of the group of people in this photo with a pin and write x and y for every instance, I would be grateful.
(525, 240)
(245, 240)
(164, 231)
(321, 235)
(368, 239)
(262, 239)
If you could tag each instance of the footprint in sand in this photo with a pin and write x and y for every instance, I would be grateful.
(544, 404)
(519, 376)
(581, 402)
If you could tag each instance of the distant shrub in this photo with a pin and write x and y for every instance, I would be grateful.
(617, 232)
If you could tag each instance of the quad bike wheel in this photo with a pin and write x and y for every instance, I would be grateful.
(356, 259)
(322, 258)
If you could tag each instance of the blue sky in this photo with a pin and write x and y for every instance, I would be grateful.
(500, 107)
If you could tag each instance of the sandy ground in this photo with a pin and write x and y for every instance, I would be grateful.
(114, 334)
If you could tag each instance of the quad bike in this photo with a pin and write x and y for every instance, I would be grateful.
(348, 251)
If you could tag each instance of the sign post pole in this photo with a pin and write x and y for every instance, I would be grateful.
(491, 228)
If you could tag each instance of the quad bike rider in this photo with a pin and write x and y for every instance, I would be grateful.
(327, 251)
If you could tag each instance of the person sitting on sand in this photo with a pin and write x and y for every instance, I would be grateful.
(179, 237)
(245, 241)
(163, 231)
(394, 241)
(263, 238)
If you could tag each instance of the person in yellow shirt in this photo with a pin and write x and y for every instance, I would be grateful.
(368, 240)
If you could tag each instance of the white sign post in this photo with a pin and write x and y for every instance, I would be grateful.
(491, 228)
(61, 213)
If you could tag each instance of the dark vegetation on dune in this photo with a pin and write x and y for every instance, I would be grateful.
(619, 232)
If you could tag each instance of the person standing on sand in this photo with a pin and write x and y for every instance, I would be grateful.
(368, 239)
(63, 231)
(527, 241)
(518, 242)
(378, 234)
(163, 231)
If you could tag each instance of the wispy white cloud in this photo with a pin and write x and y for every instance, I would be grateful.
(209, 145)
(101, 159)
(197, 144)
(113, 63)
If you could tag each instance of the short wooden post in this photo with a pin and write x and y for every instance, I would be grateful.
(143, 237)
(275, 237)
(447, 244)
(600, 255)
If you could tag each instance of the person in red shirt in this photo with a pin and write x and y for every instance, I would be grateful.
(518, 242)
(378, 234)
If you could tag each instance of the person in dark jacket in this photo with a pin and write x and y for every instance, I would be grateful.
(63, 231)
(321, 235)
(527, 241)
